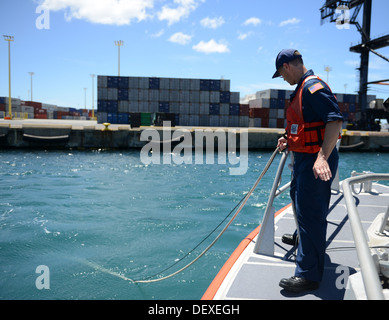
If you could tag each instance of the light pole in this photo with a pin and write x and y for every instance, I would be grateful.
(9, 39)
(327, 69)
(119, 44)
(85, 98)
(31, 74)
(93, 95)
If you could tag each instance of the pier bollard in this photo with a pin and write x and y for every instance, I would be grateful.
(106, 124)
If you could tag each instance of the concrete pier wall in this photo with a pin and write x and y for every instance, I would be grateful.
(85, 135)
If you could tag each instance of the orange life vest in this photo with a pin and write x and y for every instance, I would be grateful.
(303, 136)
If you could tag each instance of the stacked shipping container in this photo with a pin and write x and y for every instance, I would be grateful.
(190, 102)
(268, 109)
(39, 110)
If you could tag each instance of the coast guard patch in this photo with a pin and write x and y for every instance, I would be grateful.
(315, 87)
(294, 129)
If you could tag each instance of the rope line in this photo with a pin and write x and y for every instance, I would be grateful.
(241, 204)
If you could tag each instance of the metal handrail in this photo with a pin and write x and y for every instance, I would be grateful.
(370, 277)
(265, 240)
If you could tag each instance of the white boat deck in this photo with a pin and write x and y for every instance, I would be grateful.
(255, 276)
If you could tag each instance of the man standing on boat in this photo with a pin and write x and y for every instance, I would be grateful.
(314, 122)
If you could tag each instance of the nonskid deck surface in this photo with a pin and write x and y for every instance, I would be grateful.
(257, 276)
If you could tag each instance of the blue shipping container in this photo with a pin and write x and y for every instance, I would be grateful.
(214, 85)
(163, 107)
(123, 82)
(112, 118)
(204, 85)
(112, 82)
(122, 118)
(224, 97)
(153, 83)
(214, 109)
(234, 109)
(123, 94)
(102, 106)
(112, 106)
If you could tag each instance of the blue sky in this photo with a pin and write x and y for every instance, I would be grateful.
(206, 39)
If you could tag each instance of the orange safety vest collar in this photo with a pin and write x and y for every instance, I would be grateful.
(303, 136)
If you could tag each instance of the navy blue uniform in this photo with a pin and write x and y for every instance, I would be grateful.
(311, 196)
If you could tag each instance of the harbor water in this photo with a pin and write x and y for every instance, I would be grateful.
(80, 224)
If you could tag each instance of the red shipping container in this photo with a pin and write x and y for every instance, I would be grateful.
(280, 123)
(34, 104)
(2, 107)
(244, 110)
(259, 113)
(40, 116)
(265, 122)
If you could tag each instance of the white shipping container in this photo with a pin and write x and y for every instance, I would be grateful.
(102, 81)
(224, 109)
(153, 95)
(184, 96)
(195, 84)
(164, 83)
(204, 108)
(184, 108)
(174, 84)
(133, 94)
(225, 85)
(265, 103)
(133, 106)
(194, 120)
(272, 123)
(112, 94)
(194, 96)
(174, 95)
(214, 97)
(27, 109)
(223, 120)
(234, 97)
(102, 93)
(184, 119)
(267, 94)
(243, 121)
(273, 113)
(214, 120)
(185, 84)
(123, 106)
(153, 106)
(194, 108)
(164, 95)
(133, 83)
(143, 106)
(102, 117)
(257, 103)
(143, 83)
(233, 121)
(143, 95)
(174, 107)
(203, 120)
(204, 96)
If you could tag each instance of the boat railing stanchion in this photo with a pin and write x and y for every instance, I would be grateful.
(265, 240)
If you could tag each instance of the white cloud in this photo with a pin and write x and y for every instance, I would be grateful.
(211, 47)
(253, 21)
(116, 12)
(180, 38)
(289, 21)
(243, 36)
(158, 34)
(212, 23)
(183, 9)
